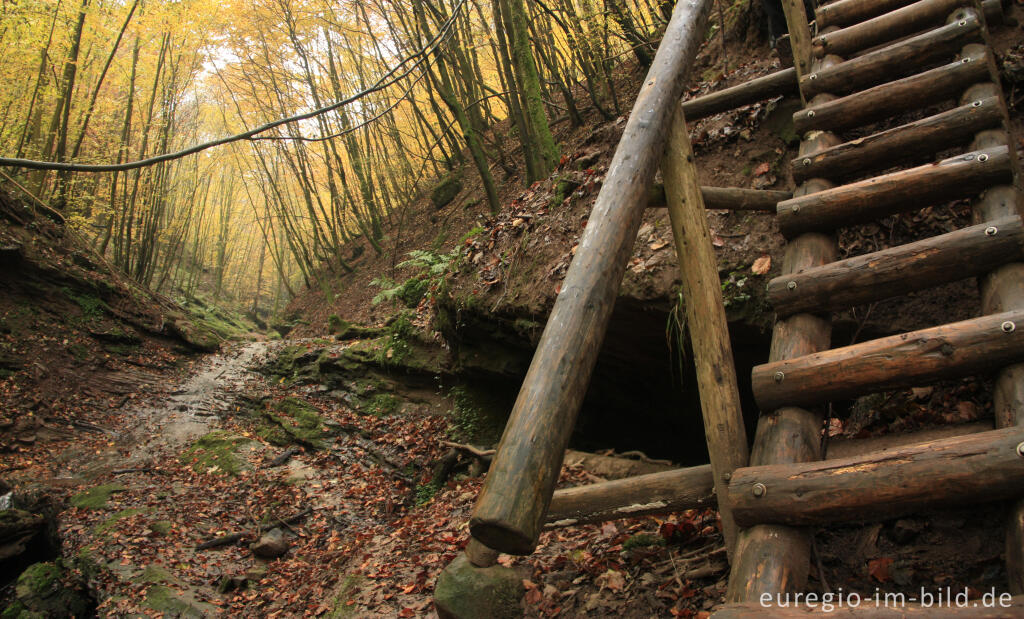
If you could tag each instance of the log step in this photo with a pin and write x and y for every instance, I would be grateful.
(907, 94)
(910, 142)
(896, 60)
(849, 12)
(988, 466)
(893, 272)
(951, 179)
(907, 360)
(887, 27)
(782, 82)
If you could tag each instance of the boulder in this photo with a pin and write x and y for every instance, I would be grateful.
(464, 591)
(271, 546)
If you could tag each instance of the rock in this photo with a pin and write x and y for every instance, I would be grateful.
(41, 591)
(464, 591)
(445, 191)
(256, 573)
(17, 528)
(271, 546)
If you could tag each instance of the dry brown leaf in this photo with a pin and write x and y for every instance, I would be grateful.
(762, 265)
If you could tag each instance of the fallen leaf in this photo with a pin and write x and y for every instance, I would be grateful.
(762, 265)
(879, 569)
(612, 580)
(762, 169)
(658, 245)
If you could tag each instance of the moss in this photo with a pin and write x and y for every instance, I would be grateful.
(38, 580)
(161, 527)
(446, 190)
(40, 591)
(79, 351)
(96, 498)
(348, 587)
(643, 540)
(104, 528)
(382, 404)
(292, 420)
(336, 325)
(155, 575)
(215, 452)
(163, 599)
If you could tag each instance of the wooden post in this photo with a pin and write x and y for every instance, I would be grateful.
(705, 319)
(799, 37)
(509, 513)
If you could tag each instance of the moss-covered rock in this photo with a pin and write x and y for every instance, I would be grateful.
(292, 420)
(97, 497)
(445, 191)
(165, 600)
(465, 591)
(45, 590)
(215, 452)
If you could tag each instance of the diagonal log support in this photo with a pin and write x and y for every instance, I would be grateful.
(509, 513)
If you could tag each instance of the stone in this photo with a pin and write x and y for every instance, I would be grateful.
(271, 546)
(256, 573)
(42, 591)
(464, 591)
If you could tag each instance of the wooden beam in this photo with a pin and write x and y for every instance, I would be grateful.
(893, 272)
(847, 12)
(509, 513)
(910, 93)
(897, 60)
(957, 177)
(782, 82)
(890, 26)
(654, 493)
(911, 142)
(693, 487)
(705, 318)
(953, 471)
(812, 607)
(909, 359)
(727, 198)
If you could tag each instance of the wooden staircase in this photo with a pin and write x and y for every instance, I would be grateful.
(870, 66)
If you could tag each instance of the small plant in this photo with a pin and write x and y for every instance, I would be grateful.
(396, 343)
(474, 232)
(431, 267)
(643, 540)
(425, 493)
(675, 332)
(733, 289)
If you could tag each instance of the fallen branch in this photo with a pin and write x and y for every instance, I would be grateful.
(283, 457)
(233, 538)
(483, 454)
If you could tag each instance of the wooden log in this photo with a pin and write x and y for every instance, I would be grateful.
(654, 493)
(909, 359)
(887, 27)
(774, 558)
(848, 12)
(950, 257)
(896, 60)
(782, 82)
(799, 37)
(509, 513)
(910, 142)
(880, 102)
(889, 606)
(950, 179)
(946, 472)
(727, 198)
(707, 325)
(693, 487)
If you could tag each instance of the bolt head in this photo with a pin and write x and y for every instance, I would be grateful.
(812, 76)
(759, 490)
(807, 161)
(791, 285)
(796, 209)
(976, 103)
(965, 60)
(779, 377)
(810, 113)
(962, 22)
(982, 158)
(991, 231)
(1009, 326)
(1020, 450)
